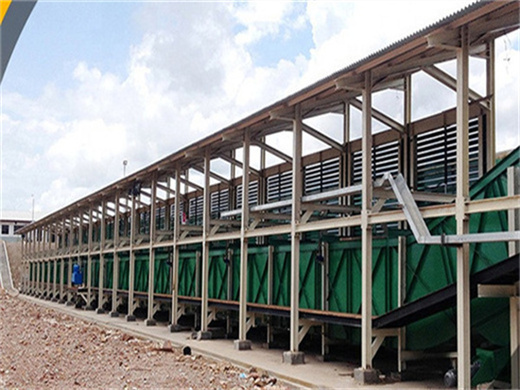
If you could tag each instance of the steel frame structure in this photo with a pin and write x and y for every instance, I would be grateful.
(80, 229)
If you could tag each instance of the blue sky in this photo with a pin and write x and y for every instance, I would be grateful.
(91, 84)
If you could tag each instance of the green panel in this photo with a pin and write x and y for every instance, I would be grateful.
(124, 263)
(95, 271)
(141, 272)
(51, 271)
(430, 268)
(65, 272)
(310, 277)
(492, 364)
(187, 274)
(218, 274)
(282, 275)
(235, 271)
(384, 276)
(109, 271)
(162, 273)
(257, 274)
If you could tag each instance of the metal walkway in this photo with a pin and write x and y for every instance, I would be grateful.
(6, 280)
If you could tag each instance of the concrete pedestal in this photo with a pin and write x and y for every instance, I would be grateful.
(200, 335)
(366, 376)
(174, 328)
(242, 345)
(69, 303)
(100, 311)
(150, 322)
(130, 318)
(114, 314)
(293, 357)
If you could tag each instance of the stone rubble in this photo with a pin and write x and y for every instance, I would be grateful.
(41, 348)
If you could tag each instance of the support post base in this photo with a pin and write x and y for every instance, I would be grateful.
(100, 311)
(150, 322)
(366, 376)
(174, 328)
(89, 308)
(291, 357)
(130, 318)
(114, 314)
(54, 300)
(202, 335)
(242, 345)
(62, 301)
(69, 303)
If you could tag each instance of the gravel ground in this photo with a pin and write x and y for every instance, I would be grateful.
(43, 349)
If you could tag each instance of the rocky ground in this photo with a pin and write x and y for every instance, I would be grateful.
(14, 251)
(40, 348)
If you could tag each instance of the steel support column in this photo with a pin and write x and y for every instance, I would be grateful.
(115, 264)
(463, 269)
(204, 320)
(175, 254)
(151, 264)
(102, 241)
(89, 257)
(131, 261)
(293, 356)
(242, 342)
(366, 228)
(490, 92)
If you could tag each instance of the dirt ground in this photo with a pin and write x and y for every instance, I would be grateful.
(40, 348)
(14, 251)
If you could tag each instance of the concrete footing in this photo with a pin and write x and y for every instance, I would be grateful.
(242, 345)
(202, 335)
(366, 376)
(100, 311)
(293, 357)
(114, 314)
(69, 303)
(150, 322)
(89, 308)
(174, 328)
(130, 318)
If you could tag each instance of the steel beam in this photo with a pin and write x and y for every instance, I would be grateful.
(273, 151)
(89, 255)
(242, 317)
(366, 228)
(322, 137)
(175, 259)
(115, 264)
(490, 140)
(102, 241)
(295, 236)
(462, 219)
(151, 253)
(131, 262)
(383, 118)
(205, 243)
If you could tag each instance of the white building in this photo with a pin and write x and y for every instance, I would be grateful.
(11, 222)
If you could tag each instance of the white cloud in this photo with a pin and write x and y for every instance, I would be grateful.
(192, 73)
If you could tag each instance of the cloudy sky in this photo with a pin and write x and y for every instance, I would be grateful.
(91, 84)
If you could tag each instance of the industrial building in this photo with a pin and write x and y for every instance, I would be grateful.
(406, 237)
